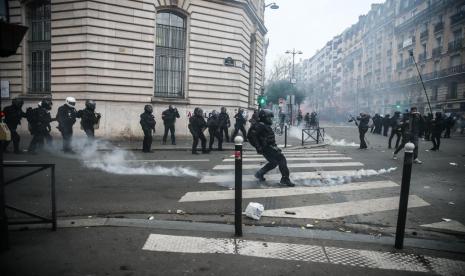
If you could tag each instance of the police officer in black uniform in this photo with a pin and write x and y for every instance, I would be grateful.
(89, 118)
(39, 124)
(225, 123)
(197, 126)
(437, 126)
(66, 117)
(396, 129)
(169, 119)
(13, 116)
(147, 122)
(213, 124)
(412, 127)
(265, 144)
(239, 125)
(363, 128)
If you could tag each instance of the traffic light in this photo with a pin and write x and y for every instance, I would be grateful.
(261, 100)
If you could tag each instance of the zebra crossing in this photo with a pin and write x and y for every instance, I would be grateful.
(316, 172)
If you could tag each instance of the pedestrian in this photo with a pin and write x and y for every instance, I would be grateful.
(197, 126)
(213, 124)
(147, 122)
(225, 123)
(314, 120)
(239, 125)
(437, 126)
(262, 137)
(386, 124)
(412, 124)
(89, 119)
(169, 120)
(66, 117)
(364, 119)
(39, 124)
(282, 121)
(449, 123)
(377, 123)
(396, 129)
(13, 115)
(428, 126)
(299, 118)
(307, 120)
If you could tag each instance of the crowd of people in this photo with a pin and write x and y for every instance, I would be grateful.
(408, 127)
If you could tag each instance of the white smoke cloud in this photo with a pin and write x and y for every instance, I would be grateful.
(337, 180)
(296, 132)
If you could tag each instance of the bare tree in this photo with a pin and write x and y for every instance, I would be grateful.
(281, 69)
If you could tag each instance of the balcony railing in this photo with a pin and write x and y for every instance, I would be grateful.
(408, 62)
(439, 27)
(424, 34)
(455, 45)
(458, 17)
(421, 57)
(437, 52)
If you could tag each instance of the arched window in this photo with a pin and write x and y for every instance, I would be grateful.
(39, 47)
(170, 56)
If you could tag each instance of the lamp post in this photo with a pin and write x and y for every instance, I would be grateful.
(421, 79)
(293, 53)
(272, 6)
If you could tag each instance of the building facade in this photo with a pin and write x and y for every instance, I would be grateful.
(371, 69)
(125, 54)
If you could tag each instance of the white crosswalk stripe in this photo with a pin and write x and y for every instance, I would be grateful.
(253, 159)
(294, 165)
(301, 154)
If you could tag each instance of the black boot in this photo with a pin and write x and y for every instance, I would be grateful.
(286, 181)
(259, 175)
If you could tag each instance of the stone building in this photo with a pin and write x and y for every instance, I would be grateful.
(128, 53)
(374, 68)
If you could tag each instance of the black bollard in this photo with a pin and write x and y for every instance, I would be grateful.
(404, 194)
(238, 186)
(285, 136)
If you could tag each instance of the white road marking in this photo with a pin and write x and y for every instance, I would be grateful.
(293, 165)
(303, 154)
(305, 253)
(343, 209)
(292, 159)
(156, 161)
(296, 176)
(447, 226)
(279, 192)
(15, 161)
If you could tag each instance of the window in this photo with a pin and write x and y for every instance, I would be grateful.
(39, 47)
(434, 93)
(4, 16)
(455, 61)
(452, 91)
(170, 55)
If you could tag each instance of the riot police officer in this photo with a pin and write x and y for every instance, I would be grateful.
(39, 124)
(147, 122)
(225, 123)
(169, 119)
(197, 126)
(89, 118)
(364, 119)
(213, 124)
(396, 129)
(262, 137)
(13, 116)
(66, 117)
(239, 125)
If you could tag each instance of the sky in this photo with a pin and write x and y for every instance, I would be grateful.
(307, 25)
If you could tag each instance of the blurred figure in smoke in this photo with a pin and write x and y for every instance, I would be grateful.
(314, 120)
(396, 129)
(377, 123)
(386, 124)
(239, 125)
(449, 123)
(363, 128)
(225, 123)
(169, 120)
(89, 118)
(39, 124)
(147, 122)
(254, 118)
(307, 120)
(66, 117)
(437, 126)
(299, 118)
(412, 125)
(262, 137)
(282, 120)
(213, 124)
(197, 126)
(13, 115)
(428, 126)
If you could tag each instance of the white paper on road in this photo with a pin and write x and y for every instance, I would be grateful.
(294, 165)
(280, 192)
(344, 209)
(304, 253)
(323, 158)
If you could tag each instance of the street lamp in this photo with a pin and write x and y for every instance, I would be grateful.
(293, 52)
(272, 6)
(421, 79)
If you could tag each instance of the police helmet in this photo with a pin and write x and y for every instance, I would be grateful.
(198, 111)
(148, 108)
(214, 113)
(17, 102)
(70, 101)
(46, 103)
(90, 104)
(223, 109)
(266, 116)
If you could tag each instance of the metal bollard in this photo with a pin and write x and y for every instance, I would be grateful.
(285, 136)
(317, 135)
(238, 186)
(404, 194)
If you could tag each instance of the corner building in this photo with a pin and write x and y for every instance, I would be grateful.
(128, 53)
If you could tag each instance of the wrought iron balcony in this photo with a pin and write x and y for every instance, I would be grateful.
(408, 62)
(458, 17)
(437, 52)
(455, 45)
(422, 57)
(439, 27)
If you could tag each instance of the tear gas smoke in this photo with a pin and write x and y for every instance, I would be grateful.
(114, 159)
(296, 132)
(329, 180)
